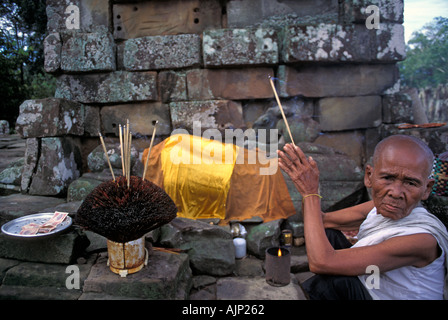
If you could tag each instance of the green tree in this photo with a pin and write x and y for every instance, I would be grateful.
(426, 56)
(22, 32)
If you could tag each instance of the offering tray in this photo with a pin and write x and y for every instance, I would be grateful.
(13, 227)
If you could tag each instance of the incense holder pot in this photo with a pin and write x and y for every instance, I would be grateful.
(127, 257)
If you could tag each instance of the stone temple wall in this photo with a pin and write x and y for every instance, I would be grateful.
(176, 62)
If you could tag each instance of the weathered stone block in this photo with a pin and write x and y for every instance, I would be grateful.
(217, 114)
(17, 205)
(249, 12)
(234, 84)
(263, 236)
(389, 10)
(210, 247)
(92, 15)
(83, 52)
(167, 276)
(92, 121)
(63, 248)
(333, 165)
(182, 230)
(349, 142)
(52, 52)
(256, 288)
(233, 47)
(397, 108)
(59, 164)
(336, 80)
(142, 118)
(120, 86)
(347, 113)
(12, 175)
(50, 117)
(354, 43)
(151, 18)
(31, 157)
(79, 189)
(172, 86)
(216, 257)
(303, 129)
(97, 162)
(162, 52)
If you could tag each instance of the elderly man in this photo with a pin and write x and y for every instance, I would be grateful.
(398, 238)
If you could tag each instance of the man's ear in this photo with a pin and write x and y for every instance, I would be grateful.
(368, 176)
(428, 190)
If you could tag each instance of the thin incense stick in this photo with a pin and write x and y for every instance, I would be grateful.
(121, 149)
(129, 158)
(281, 110)
(107, 157)
(150, 147)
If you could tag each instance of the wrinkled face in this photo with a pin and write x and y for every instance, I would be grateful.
(398, 180)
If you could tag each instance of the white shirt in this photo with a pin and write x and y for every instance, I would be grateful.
(409, 283)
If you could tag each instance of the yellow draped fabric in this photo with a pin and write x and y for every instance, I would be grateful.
(196, 175)
(206, 181)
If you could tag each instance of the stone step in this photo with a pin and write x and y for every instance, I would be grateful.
(37, 293)
(18, 205)
(166, 276)
(63, 248)
(36, 281)
(256, 288)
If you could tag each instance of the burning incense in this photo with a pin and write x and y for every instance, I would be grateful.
(121, 148)
(129, 157)
(150, 147)
(123, 214)
(125, 146)
(107, 157)
(281, 109)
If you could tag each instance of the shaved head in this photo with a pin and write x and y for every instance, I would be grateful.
(401, 142)
(399, 178)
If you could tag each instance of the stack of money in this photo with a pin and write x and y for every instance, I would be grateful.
(49, 225)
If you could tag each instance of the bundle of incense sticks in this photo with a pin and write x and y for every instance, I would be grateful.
(125, 146)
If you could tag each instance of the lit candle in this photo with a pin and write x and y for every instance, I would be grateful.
(240, 247)
(278, 265)
(287, 238)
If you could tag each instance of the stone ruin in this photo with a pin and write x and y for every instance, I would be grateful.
(176, 62)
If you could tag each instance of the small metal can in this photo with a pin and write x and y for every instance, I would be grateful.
(126, 258)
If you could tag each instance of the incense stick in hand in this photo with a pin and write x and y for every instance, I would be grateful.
(281, 110)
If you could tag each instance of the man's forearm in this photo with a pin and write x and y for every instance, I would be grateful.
(347, 219)
(318, 248)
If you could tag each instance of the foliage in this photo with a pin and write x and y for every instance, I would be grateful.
(426, 56)
(23, 27)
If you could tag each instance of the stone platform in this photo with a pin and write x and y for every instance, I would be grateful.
(45, 269)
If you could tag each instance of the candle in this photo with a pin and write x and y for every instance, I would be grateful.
(287, 238)
(278, 265)
(240, 247)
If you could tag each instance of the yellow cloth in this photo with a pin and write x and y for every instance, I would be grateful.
(196, 175)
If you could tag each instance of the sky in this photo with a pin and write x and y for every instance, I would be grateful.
(417, 13)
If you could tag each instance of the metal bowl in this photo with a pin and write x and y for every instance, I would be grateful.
(13, 227)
